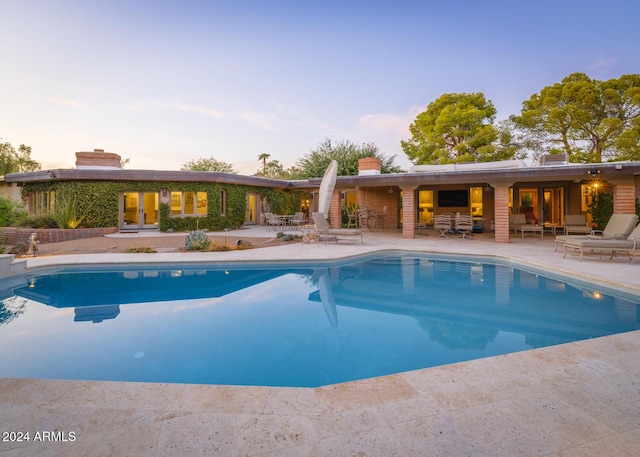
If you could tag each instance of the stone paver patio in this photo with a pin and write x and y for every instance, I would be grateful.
(577, 399)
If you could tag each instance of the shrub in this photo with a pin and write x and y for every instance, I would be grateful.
(40, 220)
(67, 214)
(11, 213)
(285, 237)
(141, 250)
(215, 247)
(197, 240)
(601, 209)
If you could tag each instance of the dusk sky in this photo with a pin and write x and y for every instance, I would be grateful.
(165, 82)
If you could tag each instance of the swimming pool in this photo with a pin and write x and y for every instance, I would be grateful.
(303, 324)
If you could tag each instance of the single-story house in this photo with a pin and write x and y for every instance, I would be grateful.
(183, 200)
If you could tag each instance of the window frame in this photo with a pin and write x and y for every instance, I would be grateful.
(43, 201)
(184, 197)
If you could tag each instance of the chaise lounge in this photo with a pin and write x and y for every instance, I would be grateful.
(324, 230)
(628, 245)
(618, 227)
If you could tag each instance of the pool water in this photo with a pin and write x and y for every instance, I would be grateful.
(298, 325)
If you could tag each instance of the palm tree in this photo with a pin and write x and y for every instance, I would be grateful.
(264, 157)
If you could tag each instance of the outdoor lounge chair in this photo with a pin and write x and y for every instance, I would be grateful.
(576, 223)
(324, 230)
(618, 227)
(628, 245)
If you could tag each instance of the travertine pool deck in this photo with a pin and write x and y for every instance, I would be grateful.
(577, 399)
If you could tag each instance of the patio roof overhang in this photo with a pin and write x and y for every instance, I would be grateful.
(143, 175)
(612, 172)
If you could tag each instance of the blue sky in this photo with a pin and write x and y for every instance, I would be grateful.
(166, 82)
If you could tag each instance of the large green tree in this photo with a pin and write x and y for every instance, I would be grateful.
(208, 164)
(263, 157)
(273, 169)
(12, 161)
(346, 153)
(456, 128)
(590, 120)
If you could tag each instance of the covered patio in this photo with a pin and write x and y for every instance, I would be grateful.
(494, 191)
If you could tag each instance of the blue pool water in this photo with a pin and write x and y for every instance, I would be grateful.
(299, 325)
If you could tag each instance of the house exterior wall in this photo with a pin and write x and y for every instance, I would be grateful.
(10, 191)
(575, 199)
(376, 198)
(104, 199)
(624, 198)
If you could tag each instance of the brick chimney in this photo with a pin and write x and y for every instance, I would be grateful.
(369, 166)
(97, 160)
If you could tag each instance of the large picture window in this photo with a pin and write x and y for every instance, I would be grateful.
(188, 203)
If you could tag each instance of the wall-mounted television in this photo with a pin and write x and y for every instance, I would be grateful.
(453, 198)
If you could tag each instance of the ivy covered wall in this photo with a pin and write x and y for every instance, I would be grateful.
(100, 200)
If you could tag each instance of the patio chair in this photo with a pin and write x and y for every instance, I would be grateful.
(381, 218)
(516, 220)
(442, 223)
(601, 244)
(618, 227)
(464, 225)
(352, 219)
(298, 219)
(272, 221)
(363, 218)
(324, 230)
(576, 223)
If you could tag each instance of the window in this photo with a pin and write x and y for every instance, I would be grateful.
(476, 201)
(223, 202)
(188, 203)
(425, 207)
(43, 201)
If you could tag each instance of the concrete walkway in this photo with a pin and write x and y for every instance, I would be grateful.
(577, 399)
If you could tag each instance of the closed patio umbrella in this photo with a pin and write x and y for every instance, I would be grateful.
(327, 185)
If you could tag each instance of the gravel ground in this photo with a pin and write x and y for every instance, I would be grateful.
(105, 244)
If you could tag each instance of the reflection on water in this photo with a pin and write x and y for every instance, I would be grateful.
(96, 314)
(11, 308)
(291, 326)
